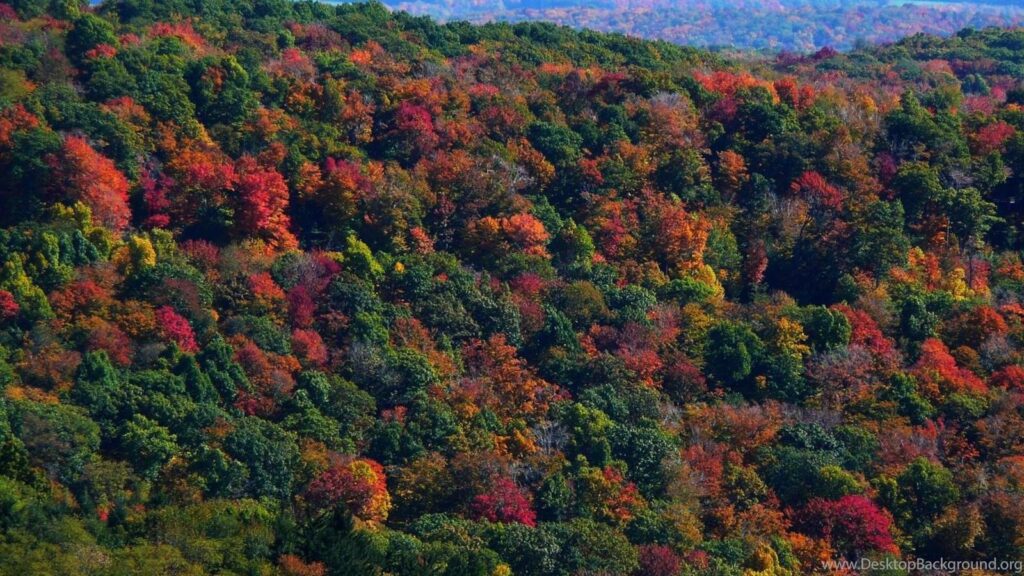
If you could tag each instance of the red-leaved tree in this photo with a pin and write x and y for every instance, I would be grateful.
(262, 198)
(359, 484)
(853, 524)
(176, 328)
(938, 373)
(505, 502)
(1010, 377)
(657, 560)
(83, 174)
(816, 191)
(8, 305)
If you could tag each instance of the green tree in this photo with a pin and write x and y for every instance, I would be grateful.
(826, 329)
(269, 452)
(221, 90)
(919, 494)
(98, 387)
(559, 144)
(147, 444)
(970, 215)
(89, 31)
(731, 352)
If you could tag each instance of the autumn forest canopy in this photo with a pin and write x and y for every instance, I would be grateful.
(299, 289)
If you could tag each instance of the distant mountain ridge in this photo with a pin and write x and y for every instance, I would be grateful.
(774, 25)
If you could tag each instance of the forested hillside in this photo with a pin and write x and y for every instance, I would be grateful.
(308, 290)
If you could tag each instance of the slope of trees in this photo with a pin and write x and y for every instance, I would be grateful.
(303, 289)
